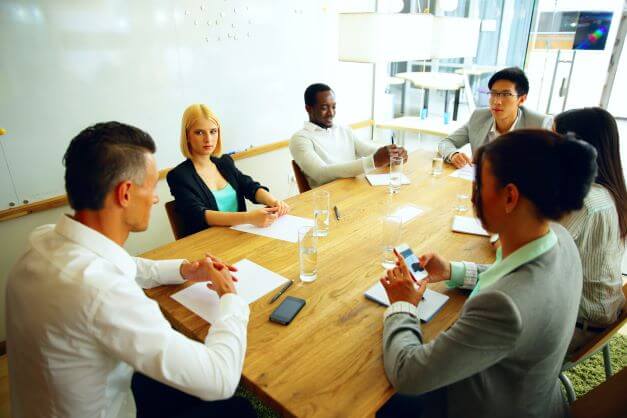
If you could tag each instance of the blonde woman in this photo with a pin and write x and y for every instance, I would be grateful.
(209, 190)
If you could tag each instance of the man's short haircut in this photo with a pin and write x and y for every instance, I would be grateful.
(513, 74)
(312, 91)
(102, 156)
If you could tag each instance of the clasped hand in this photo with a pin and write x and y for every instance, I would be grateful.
(213, 270)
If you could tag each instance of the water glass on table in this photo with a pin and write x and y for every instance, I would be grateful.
(308, 253)
(461, 205)
(437, 163)
(321, 213)
(390, 238)
(396, 173)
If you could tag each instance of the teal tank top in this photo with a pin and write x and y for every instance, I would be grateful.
(226, 198)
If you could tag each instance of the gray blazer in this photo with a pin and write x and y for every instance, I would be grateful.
(503, 355)
(475, 131)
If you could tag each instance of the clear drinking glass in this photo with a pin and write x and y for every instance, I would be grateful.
(396, 173)
(437, 162)
(321, 213)
(308, 253)
(462, 202)
(390, 238)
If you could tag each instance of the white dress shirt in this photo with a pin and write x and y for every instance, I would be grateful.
(328, 154)
(79, 324)
(493, 133)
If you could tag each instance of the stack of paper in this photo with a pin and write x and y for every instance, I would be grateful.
(467, 173)
(253, 282)
(384, 179)
(285, 228)
(407, 213)
(427, 308)
(468, 225)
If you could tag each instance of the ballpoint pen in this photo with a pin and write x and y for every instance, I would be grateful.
(281, 291)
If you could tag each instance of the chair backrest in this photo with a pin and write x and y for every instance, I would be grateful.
(600, 340)
(176, 221)
(604, 401)
(301, 181)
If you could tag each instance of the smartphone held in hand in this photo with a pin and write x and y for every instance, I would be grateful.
(411, 261)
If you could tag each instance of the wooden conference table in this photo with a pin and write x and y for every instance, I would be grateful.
(328, 361)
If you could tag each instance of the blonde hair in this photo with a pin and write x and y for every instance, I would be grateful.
(190, 116)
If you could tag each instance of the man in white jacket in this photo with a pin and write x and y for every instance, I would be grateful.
(325, 152)
(78, 321)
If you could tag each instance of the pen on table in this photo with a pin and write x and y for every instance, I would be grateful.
(337, 213)
(281, 291)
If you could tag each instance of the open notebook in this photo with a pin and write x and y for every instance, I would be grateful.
(432, 303)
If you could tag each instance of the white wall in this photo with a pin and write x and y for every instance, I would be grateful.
(75, 63)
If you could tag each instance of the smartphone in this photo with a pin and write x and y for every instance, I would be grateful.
(287, 310)
(411, 261)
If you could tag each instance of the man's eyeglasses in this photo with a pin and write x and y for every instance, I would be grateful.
(503, 95)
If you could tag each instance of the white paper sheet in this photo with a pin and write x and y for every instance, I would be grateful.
(253, 282)
(432, 303)
(285, 228)
(384, 179)
(467, 173)
(407, 213)
(468, 225)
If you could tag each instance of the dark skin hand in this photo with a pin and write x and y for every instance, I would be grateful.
(383, 154)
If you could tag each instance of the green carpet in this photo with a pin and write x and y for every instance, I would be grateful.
(591, 372)
(584, 377)
(263, 410)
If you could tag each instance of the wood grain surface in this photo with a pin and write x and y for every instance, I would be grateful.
(328, 361)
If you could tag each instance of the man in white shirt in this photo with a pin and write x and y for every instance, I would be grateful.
(78, 322)
(326, 152)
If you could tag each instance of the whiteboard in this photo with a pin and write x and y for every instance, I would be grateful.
(66, 65)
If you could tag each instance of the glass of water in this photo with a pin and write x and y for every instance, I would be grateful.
(462, 202)
(396, 173)
(308, 253)
(437, 162)
(390, 238)
(321, 213)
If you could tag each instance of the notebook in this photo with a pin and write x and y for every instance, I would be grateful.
(432, 303)
(468, 225)
(384, 179)
(467, 173)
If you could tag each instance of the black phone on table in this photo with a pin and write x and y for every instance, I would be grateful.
(287, 310)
